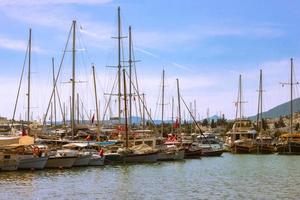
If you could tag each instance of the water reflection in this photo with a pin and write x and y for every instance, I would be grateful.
(227, 177)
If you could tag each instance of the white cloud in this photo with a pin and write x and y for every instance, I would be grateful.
(49, 2)
(14, 44)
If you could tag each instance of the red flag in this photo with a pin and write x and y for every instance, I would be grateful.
(93, 118)
(176, 125)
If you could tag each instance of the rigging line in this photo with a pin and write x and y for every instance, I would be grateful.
(20, 83)
(59, 103)
(193, 118)
(144, 105)
(109, 100)
(159, 97)
(136, 79)
(57, 76)
(84, 108)
(296, 92)
(83, 43)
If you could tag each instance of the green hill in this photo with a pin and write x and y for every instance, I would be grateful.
(282, 109)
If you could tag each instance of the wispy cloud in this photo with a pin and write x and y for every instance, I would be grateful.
(17, 45)
(49, 2)
(168, 39)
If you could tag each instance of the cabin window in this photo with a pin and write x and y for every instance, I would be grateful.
(149, 143)
(6, 156)
(138, 142)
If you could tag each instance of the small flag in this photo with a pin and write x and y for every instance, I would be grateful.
(176, 124)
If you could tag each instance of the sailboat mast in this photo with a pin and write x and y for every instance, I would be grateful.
(291, 104)
(78, 117)
(162, 103)
(29, 73)
(179, 109)
(73, 80)
(119, 64)
(51, 113)
(240, 97)
(144, 122)
(172, 115)
(261, 101)
(125, 110)
(54, 95)
(96, 101)
(130, 76)
(64, 113)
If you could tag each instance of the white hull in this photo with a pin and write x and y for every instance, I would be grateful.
(32, 162)
(96, 160)
(60, 162)
(82, 160)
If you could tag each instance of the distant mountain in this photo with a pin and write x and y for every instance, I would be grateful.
(214, 117)
(280, 110)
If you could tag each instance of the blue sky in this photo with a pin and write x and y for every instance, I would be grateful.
(206, 44)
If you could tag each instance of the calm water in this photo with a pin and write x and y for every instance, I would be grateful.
(227, 177)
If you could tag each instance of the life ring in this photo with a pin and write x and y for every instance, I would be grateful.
(36, 150)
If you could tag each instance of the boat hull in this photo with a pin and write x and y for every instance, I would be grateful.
(96, 161)
(171, 155)
(113, 158)
(141, 158)
(192, 153)
(82, 160)
(33, 163)
(60, 162)
(9, 164)
(291, 148)
(211, 153)
(265, 149)
(244, 149)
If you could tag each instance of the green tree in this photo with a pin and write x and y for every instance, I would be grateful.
(205, 122)
(213, 124)
(264, 124)
(297, 126)
(281, 122)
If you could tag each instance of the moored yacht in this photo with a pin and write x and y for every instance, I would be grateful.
(8, 161)
(210, 144)
(30, 157)
(83, 157)
(241, 139)
(61, 158)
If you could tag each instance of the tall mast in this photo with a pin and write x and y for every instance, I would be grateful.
(130, 75)
(191, 109)
(144, 123)
(291, 104)
(259, 108)
(78, 117)
(70, 104)
(179, 109)
(261, 101)
(96, 101)
(64, 113)
(162, 103)
(172, 116)
(51, 114)
(240, 98)
(125, 110)
(119, 64)
(54, 95)
(73, 80)
(29, 73)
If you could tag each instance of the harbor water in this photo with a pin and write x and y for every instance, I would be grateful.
(226, 177)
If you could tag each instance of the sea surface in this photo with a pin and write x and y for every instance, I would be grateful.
(226, 177)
